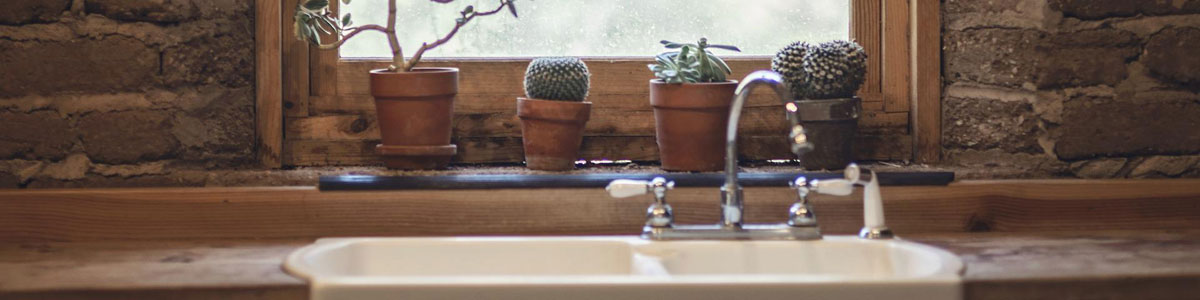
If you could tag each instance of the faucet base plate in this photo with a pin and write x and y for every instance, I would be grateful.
(720, 232)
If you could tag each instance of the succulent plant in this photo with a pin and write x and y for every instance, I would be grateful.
(557, 78)
(829, 70)
(314, 18)
(692, 63)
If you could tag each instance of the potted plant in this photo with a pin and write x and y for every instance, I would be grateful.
(691, 100)
(823, 79)
(414, 105)
(553, 112)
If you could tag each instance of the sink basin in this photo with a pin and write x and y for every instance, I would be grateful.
(836, 267)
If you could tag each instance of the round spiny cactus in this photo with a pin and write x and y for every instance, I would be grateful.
(830, 70)
(557, 78)
(789, 62)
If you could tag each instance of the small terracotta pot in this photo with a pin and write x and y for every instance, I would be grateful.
(552, 132)
(690, 122)
(414, 111)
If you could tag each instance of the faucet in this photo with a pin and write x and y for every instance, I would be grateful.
(731, 191)
(801, 224)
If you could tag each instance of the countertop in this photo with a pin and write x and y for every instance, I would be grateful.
(1141, 264)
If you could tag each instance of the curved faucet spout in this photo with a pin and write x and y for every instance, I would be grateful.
(731, 192)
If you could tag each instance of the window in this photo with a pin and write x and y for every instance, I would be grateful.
(603, 28)
(328, 116)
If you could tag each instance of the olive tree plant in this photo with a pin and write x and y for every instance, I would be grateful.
(314, 18)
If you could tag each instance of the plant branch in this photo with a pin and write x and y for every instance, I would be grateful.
(393, 41)
(408, 66)
(356, 31)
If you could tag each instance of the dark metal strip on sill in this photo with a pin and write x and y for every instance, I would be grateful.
(449, 182)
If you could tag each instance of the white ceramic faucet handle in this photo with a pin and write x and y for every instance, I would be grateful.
(624, 188)
(836, 187)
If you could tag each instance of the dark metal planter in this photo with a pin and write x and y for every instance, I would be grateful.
(832, 125)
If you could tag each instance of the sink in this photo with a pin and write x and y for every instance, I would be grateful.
(835, 267)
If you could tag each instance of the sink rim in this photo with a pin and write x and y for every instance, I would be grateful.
(294, 264)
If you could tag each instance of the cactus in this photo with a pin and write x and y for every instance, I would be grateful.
(557, 78)
(833, 69)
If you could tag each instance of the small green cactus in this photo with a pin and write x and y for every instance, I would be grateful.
(829, 70)
(557, 78)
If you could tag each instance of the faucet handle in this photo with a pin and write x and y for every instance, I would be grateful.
(659, 214)
(625, 188)
(836, 187)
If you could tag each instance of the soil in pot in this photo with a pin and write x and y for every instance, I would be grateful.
(415, 111)
(552, 132)
(690, 122)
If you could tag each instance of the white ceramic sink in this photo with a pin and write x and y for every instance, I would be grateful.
(577, 268)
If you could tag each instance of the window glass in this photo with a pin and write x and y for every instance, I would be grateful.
(600, 27)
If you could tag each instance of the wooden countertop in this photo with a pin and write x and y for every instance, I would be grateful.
(1062, 265)
(1042, 239)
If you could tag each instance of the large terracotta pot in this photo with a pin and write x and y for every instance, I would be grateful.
(690, 122)
(414, 111)
(552, 132)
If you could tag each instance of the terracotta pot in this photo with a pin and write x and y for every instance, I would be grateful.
(414, 111)
(690, 122)
(552, 132)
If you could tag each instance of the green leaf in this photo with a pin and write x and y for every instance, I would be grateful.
(469, 9)
(316, 4)
(346, 19)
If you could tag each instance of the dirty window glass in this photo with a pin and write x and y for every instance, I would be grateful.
(600, 27)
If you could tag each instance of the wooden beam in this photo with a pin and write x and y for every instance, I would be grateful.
(866, 17)
(323, 66)
(269, 84)
(927, 81)
(897, 55)
(304, 212)
(295, 67)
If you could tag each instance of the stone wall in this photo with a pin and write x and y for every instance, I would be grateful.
(1084, 88)
(94, 92)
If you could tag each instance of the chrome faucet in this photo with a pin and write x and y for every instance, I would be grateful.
(801, 223)
(659, 218)
(731, 191)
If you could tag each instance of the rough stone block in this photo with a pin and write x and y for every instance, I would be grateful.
(1085, 58)
(1094, 126)
(128, 136)
(972, 123)
(37, 135)
(976, 6)
(1100, 9)
(1005, 57)
(226, 59)
(92, 65)
(223, 128)
(1174, 55)
(144, 10)
(9, 180)
(1098, 168)
(17, 12)
(1083, 67)
(1164, 166)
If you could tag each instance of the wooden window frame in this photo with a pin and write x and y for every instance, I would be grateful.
(313, 110)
